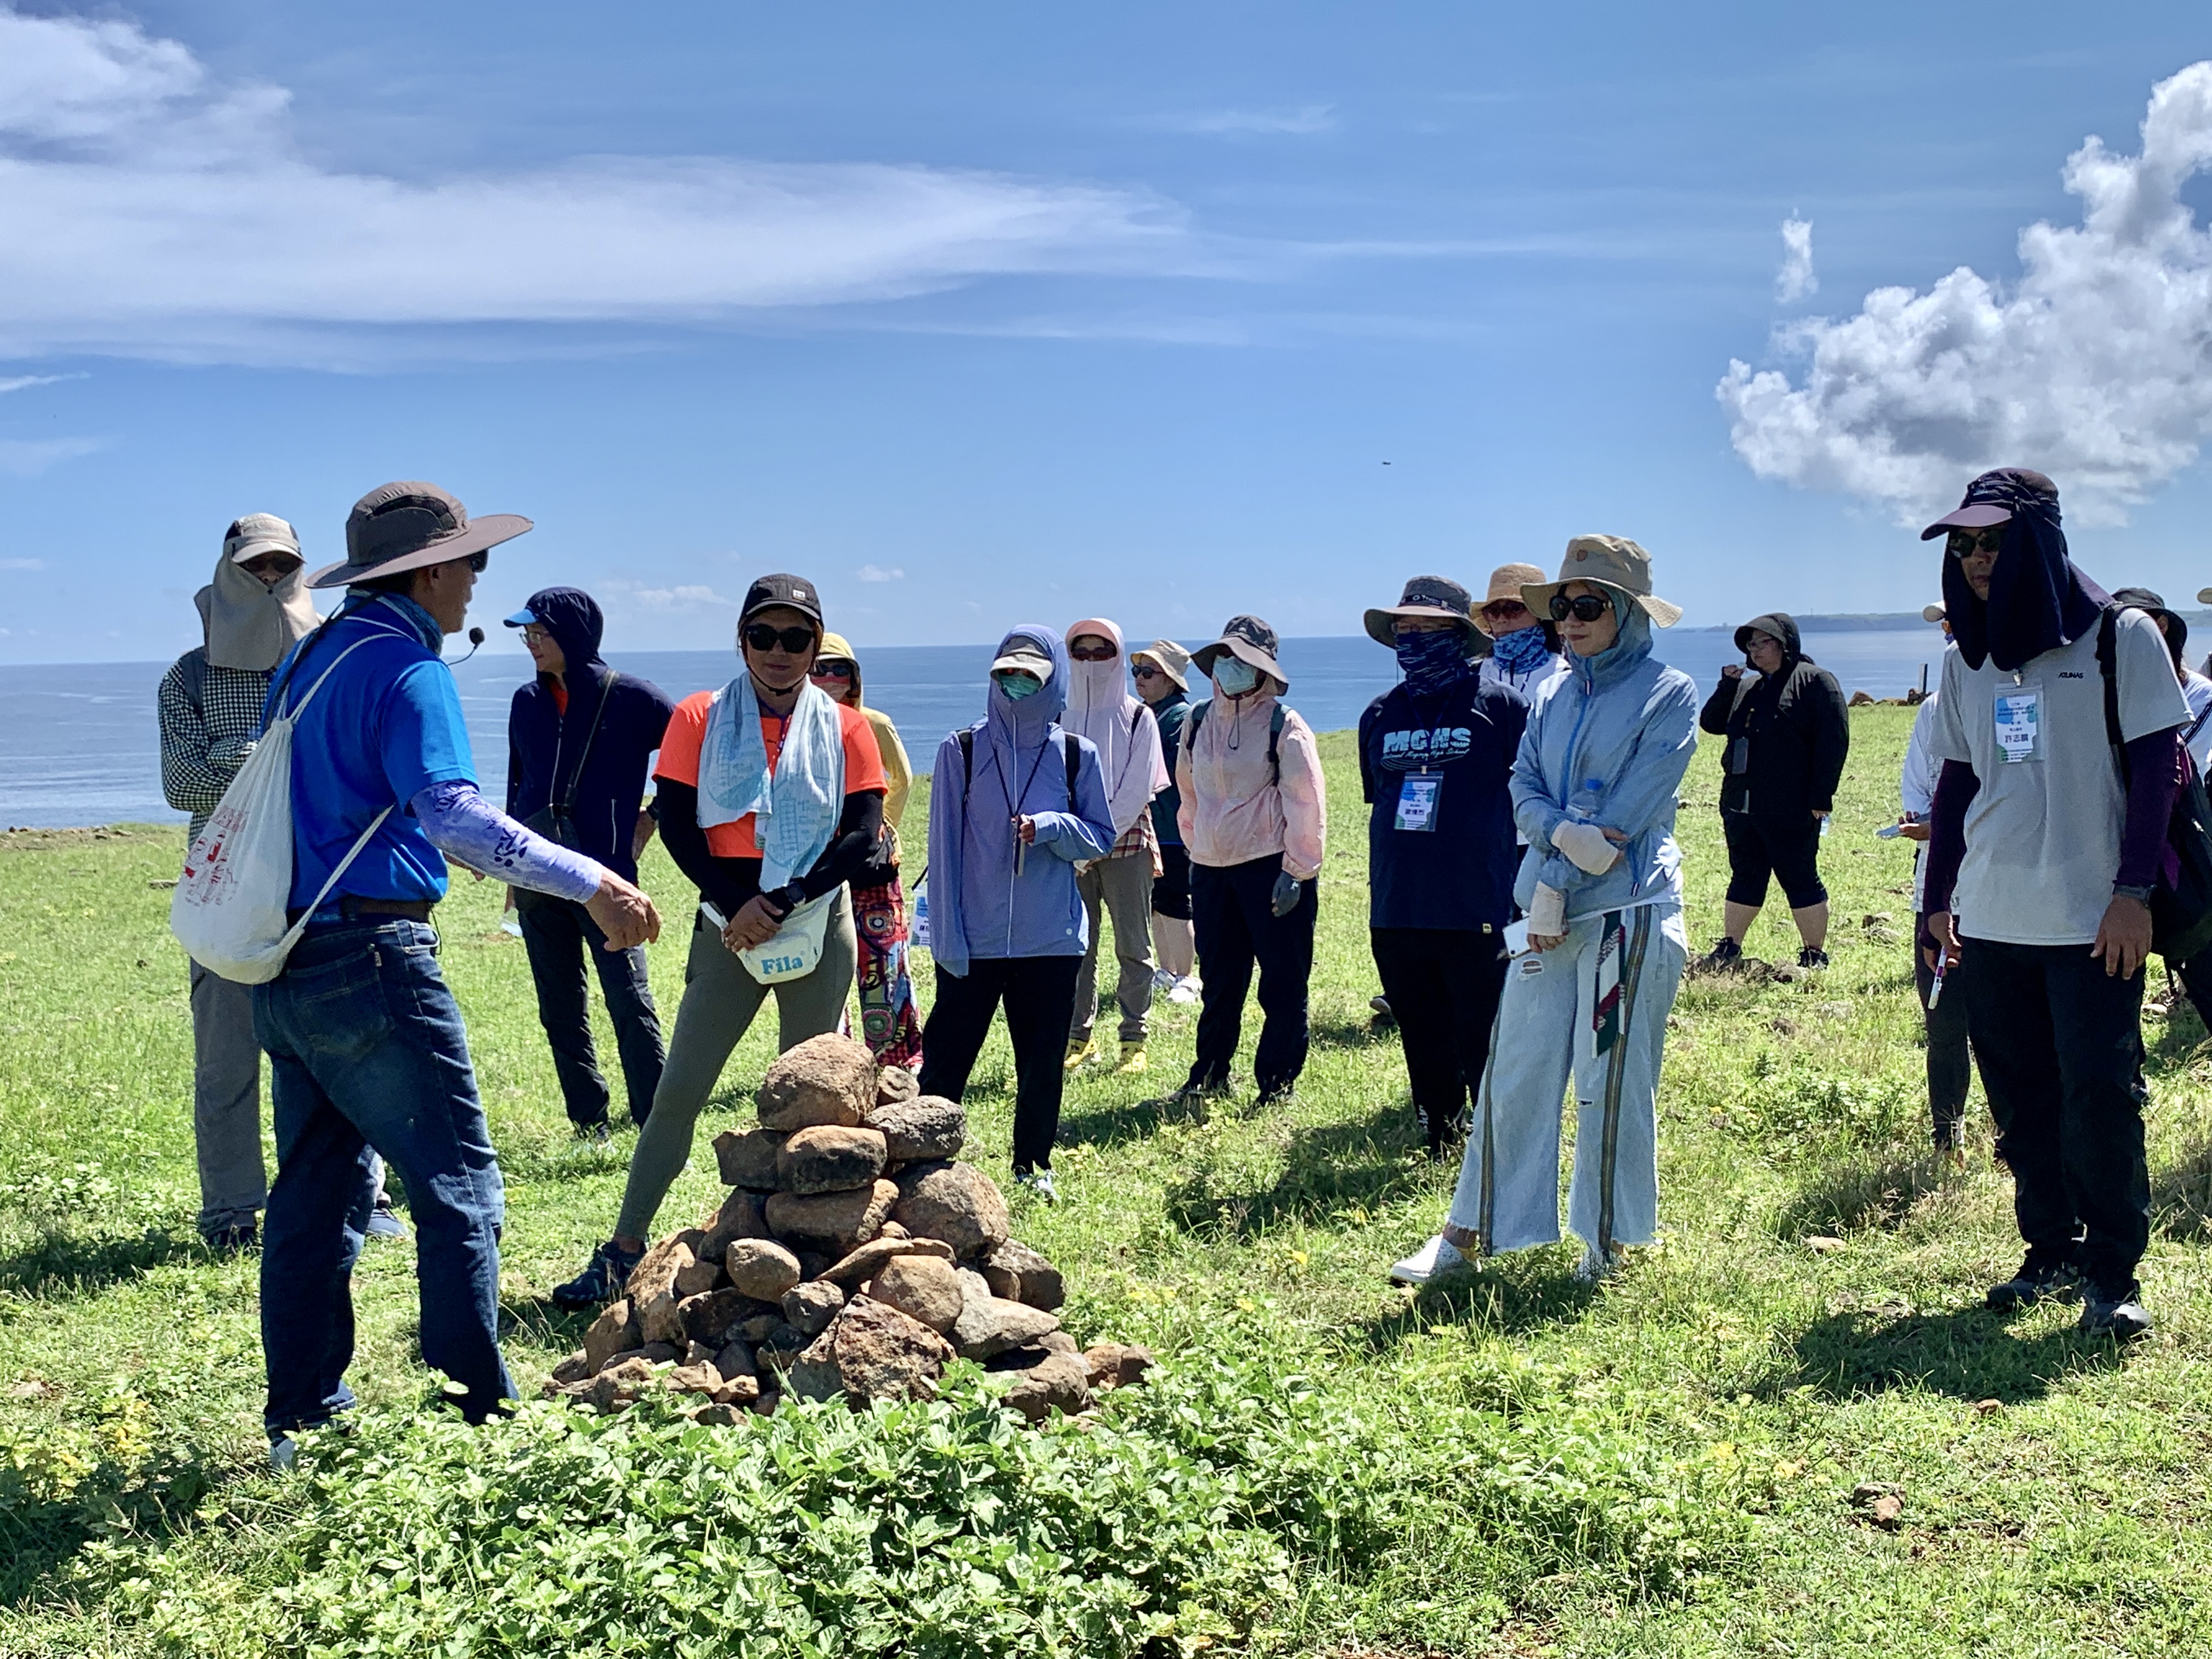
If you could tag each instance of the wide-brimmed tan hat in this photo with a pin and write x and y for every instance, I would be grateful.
(1612, 562)
(1170, 659)
(1425, 596)
(1508, 580)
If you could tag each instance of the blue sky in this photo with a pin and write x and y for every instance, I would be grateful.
(994, 312)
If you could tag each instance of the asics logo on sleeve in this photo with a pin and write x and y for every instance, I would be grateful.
(1402, 751)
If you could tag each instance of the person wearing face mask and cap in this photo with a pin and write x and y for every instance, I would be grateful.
(2059, 732)
(1121, 728)
(1255, 815)
(209, 705)
(1436, 751)
(1016, 803)
(1524, 647)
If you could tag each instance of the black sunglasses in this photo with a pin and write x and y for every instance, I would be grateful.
(1144, 671)
(1965, 544)
(831, 668)
(480, 562)
(1583, 607)
(761, 637)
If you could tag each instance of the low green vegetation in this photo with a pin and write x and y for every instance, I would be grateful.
(1508, 1464)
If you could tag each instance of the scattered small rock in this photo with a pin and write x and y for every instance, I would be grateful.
(1822, 1244)
(1062, 1382)
(1833, 1011)
(1988, 1407)
(1781, 1025)
(993, 1324)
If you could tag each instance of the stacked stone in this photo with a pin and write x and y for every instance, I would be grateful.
(855, 1255)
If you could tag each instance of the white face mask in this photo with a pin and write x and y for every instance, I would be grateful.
(1233, 676)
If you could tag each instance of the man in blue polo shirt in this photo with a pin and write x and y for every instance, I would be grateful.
(365, 1042)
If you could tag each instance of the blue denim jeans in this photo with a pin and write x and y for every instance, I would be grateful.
(368, 1056)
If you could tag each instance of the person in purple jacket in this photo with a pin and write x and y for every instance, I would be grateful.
(580, 738)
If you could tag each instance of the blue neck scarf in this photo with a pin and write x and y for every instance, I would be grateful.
(1433, 662)
(1522, 649)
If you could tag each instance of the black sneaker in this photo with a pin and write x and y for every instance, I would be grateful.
(593, 1135)
(1726, 953)
(238, 1237)
(2121, 1317)
(2036, 1281)
(1809, 957)
(602, 1281)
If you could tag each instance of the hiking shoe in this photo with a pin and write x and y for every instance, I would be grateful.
(1186, 989)
(1038, 1184)
(1809, 957)
(1132, 1060)
(1432, 1260)
(1724, 954)
(382, 1223)
(594, 1135)
(600, 1282)
(2036, 1281)
(1380, 1006)
(2121, 1317)
(1283, 1095)
(1077, 1054)
(231, 1240)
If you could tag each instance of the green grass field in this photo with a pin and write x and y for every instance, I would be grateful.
(1509, 1465)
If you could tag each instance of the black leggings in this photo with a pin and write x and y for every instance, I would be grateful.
(1442, 984)
(1039, 993)
(1785, 847)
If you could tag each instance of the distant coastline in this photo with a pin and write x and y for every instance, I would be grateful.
(1880, 622)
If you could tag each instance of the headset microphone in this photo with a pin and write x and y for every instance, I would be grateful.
(476, 644)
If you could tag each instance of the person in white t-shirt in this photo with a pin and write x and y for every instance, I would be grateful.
(2043, 856)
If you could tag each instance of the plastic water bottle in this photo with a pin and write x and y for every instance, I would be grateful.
(918, 935)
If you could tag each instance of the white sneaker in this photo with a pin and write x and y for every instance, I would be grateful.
(1432, 1260)
(1186, 989)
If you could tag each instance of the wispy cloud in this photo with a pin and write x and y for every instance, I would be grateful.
(25, 458)
(1307, 118)
(1795, 280)
(684, 597)
(24, 382)
(876, 573)
(2095, 367)
(23, 564)
(130, 177)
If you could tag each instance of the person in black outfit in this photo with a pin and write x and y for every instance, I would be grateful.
(1436, 751)
(1788, 734)
(580, 736)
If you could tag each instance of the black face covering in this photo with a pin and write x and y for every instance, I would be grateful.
(2039, 598)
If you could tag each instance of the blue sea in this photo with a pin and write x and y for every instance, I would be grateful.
(78, 745)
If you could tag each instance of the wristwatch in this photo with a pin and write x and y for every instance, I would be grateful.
(2139, 895)
(786, 898)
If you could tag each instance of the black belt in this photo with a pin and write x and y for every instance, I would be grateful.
(350, 909)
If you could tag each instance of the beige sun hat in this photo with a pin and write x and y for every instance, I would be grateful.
(1612, 562)
(1170, 659)
(1508, 580)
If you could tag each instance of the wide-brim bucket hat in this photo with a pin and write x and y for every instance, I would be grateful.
(1170, 659)
(1249, 640)
(1424, 596)
(399, 527)
(1608, 562)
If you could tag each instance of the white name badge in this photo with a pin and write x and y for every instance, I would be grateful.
(1417, 801)
(2020, 724)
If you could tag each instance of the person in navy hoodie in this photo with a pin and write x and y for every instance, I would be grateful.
(581, 737)
(1436, 753)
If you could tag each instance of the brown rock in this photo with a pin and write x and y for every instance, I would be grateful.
(924, 1129)
(892, 1229)
(1028, 1357)
(736, 1360)
(883, 1355)
(825, 1079)
(739, 1391)
(716, 1414)
(660, 1354)
(1036, 1280)
(955, 1202)
(1059, 1342)
(766, 1405)
(615, 1331)
(746, 1158)
(661, 1322)
(922, 1287)
(1888, 1512)
(829, 1159)
(809, 1308)
(614, 1388)
(1982, 1407)
(813, 1375)
(832, 1221)
(776, 1351)
(994, 1324)
(655, 1272)
(762, 1325)
(895, 1083)
(812, 1263)
(740, 1215)
(693, 1379)
(697, 1279)
(974, 1287)
(856, 1269)
(1113, 1364)
(1062, 1382)
(713, 1317)
(761, 1268)
(576, 1368)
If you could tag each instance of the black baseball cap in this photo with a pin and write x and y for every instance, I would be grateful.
(795, 592)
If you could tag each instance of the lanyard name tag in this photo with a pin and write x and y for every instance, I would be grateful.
(1417, 801)
(2020, 725)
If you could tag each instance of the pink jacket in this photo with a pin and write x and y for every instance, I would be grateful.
(1231, 812)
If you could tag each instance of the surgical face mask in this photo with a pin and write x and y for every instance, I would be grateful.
(1234, 676)
(1018, 685)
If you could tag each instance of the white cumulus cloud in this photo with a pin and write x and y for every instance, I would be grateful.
(876, 573)
(2094, 367)
(692, 596)
(1795, 279)
(151, 209)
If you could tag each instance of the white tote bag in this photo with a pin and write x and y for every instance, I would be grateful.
(228, 911)
(796, 950)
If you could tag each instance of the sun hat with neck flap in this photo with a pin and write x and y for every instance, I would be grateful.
(1613, 563)
(403, 526)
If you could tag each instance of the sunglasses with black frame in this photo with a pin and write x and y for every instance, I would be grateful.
(1583, 607)
(762, 637)
(1965, 544)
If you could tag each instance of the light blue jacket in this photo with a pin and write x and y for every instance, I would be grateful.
(978, 908)
(1608, 742)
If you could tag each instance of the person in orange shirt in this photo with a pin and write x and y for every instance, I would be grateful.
(770, 799)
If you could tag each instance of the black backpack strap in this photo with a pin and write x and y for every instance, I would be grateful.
(191, 678)
(967, 735)
(1074, 758)
(2107, 669)
(1196, 719)
(1275, 746)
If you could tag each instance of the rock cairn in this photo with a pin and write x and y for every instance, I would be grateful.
(855, 1255)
